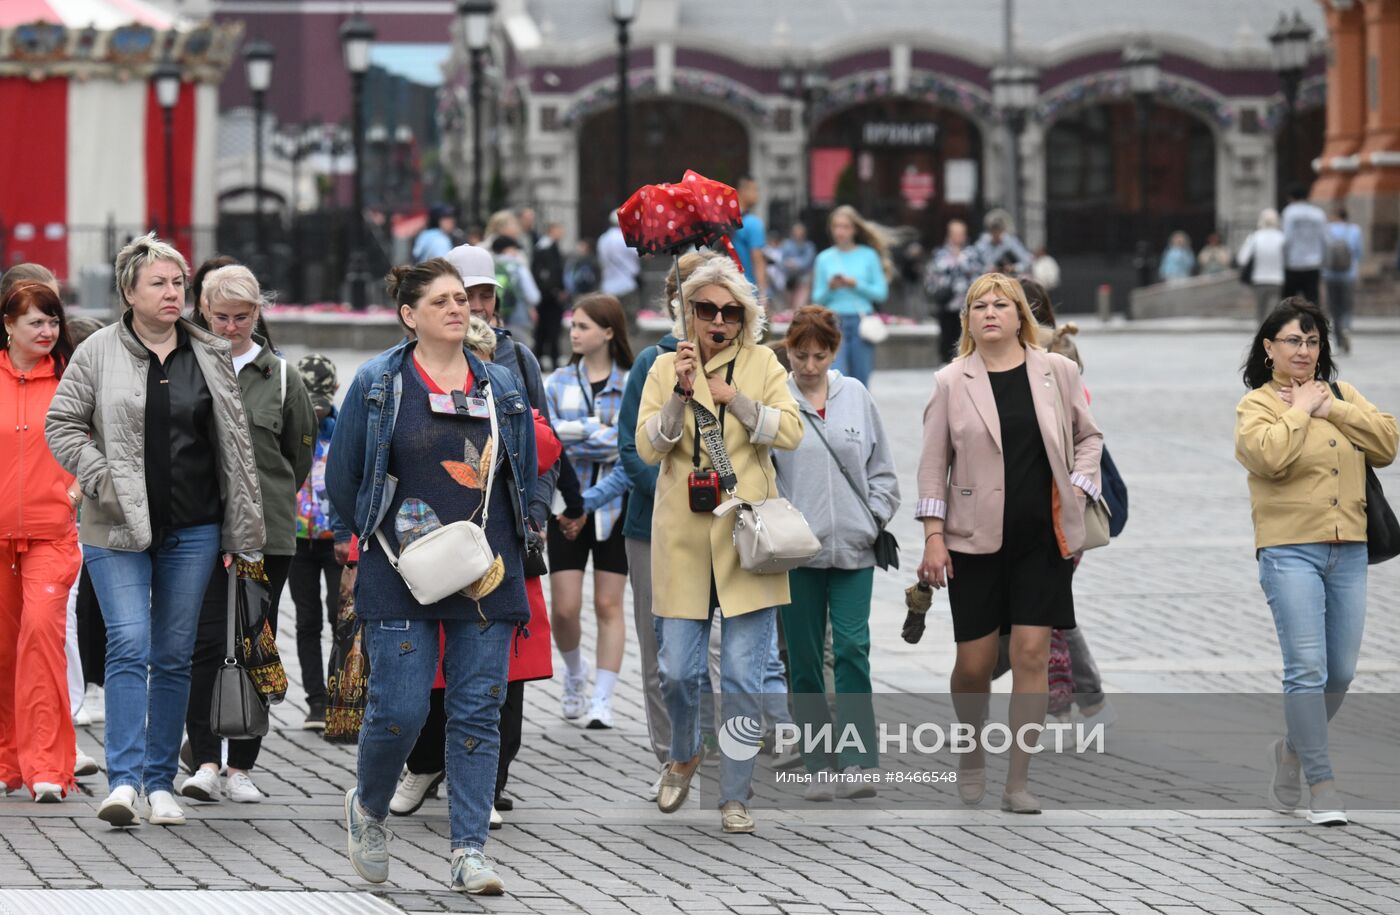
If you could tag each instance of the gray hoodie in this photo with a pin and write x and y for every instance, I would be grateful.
(810, 480)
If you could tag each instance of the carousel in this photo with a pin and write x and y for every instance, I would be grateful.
(109, 111)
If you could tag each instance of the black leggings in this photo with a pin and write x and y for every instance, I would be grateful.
(430, 750)
(314, 561)
(209, 655)
(92, 632)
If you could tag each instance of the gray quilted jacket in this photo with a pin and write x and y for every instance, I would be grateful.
(96, 429)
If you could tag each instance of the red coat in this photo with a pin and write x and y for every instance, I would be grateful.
(532, 657)
(34, 502)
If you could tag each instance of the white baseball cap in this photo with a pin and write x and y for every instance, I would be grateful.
(475, 264)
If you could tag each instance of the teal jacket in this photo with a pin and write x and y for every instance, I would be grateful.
(636, 525)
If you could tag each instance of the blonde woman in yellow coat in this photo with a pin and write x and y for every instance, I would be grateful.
(695, 567)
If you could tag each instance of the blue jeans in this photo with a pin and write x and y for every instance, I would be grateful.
(1317, 592)
(775, 686)
(855, 358)
(745, 643)
(150, 602)
(403, 660)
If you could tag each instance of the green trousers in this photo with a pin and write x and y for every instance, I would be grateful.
(842, 598)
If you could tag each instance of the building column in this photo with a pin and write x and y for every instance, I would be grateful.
(1346, 100)
(1373, 198)
(1033, 185)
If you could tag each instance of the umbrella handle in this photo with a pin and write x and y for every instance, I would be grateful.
(680, 292)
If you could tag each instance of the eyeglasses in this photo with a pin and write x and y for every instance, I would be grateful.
(234, 320)
(1300, 342)
(730, 314)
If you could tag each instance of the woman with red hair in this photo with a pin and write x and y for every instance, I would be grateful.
(39, 555)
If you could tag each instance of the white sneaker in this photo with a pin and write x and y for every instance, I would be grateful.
(413, 790)
(202, 786)
(95, 704)
(497, 821)
(164, 810)
(575, 700)
(599, 715)
(84, 764)
(820, 789)
(83, 718)
(856, 789)
(240, 789)
(47, 792)
(4, 790)
(1105, 716)
(120, 807)
(655, 788)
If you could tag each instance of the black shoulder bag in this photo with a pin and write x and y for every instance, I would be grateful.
(1382, 530)
(886, 547)
(237, 709)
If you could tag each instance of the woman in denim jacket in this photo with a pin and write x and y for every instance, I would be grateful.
(422, 467)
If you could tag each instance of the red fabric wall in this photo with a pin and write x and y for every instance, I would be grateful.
(33, 176)
(184, 166)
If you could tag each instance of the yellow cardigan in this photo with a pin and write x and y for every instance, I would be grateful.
(686, 547)
(1307, 476)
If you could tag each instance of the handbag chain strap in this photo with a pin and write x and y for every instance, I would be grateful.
(232, 570)
(486, 495)
(845, 473)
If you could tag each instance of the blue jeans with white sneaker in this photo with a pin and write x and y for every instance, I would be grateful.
(150, 602)
(745, 643)
(403, 660)
(1317, 592)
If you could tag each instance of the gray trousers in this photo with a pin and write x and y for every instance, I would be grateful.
(1266, 297)
(658, 721)
(1340, 294)
(1088, 685)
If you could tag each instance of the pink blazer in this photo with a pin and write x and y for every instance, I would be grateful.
(962, 477)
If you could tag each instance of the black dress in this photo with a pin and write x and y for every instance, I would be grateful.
(1026, 582)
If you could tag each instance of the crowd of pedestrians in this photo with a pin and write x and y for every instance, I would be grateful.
(175, 449)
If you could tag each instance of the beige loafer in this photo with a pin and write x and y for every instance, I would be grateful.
(972, 786)
(1020, 802)
(674, 787)
(735, 817)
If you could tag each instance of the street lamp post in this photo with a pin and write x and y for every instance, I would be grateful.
(623, 12)
(1014, 91)
(476, 31)
(807, 85)
(167, 83)
(1144, 67)
(258, 57)
(355, 36)
(1291, 43)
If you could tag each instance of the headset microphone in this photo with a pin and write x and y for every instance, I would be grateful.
(719, 338)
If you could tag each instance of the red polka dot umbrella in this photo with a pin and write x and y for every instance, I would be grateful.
(667, 218)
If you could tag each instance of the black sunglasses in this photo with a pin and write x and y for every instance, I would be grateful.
(731, 314)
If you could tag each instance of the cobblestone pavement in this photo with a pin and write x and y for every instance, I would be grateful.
(1172, 606)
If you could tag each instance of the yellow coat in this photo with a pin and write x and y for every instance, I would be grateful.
(1307, 475)
(687, 547)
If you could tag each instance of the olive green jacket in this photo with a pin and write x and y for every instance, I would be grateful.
(284, 437)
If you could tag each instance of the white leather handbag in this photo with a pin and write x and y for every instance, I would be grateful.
(771, 536)
(453, 557)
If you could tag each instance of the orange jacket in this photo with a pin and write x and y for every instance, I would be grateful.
(34, 501)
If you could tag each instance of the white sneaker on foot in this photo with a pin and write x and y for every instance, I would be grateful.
(413, 790)
(202, 786)
(599, 715)
(1105, 715)
(84, 764)
(47, 792)
(83, 718)
(95, 703)
(164, 810)
(240, 789)
(497, 821)
(655, 788)
(860, 784)
(575, 700)
(820, 789)
(120, 807)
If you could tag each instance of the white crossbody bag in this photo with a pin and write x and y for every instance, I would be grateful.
(454, 556)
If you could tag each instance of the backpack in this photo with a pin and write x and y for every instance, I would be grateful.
(506, 296)
(1338, 258)
(584, 276)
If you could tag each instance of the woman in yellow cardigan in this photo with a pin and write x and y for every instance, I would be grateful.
(1306, 452)
(695, 567)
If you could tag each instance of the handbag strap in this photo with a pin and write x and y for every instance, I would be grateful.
(490, 478)
(232, 570)
(860, 497)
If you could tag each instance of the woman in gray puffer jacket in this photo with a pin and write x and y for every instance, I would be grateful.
(149, 418)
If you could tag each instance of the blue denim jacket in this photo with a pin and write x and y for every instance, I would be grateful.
(356, 470)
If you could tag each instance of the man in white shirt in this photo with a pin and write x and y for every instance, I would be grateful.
(1304, 245)
(620, 266)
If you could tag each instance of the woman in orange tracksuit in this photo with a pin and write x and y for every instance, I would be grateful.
(39, 556)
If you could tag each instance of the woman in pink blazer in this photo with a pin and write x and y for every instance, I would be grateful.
(1010, 456)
